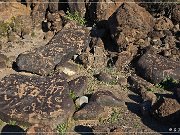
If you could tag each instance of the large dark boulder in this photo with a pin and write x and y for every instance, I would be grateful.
(35, 99)
(130, 23)
(167, 110)
(66, 43)
(155, 68)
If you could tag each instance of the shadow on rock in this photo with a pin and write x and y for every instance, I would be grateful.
(83, 130)
(135, 98)
(12, 130)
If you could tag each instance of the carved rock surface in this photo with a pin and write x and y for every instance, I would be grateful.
(155, 68)
(66, 43)
(35, 99)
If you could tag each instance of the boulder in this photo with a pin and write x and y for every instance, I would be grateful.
(35, 99)
(107, 98)
(167, 110)
(163, 23)
(105, 77)
(13, 9)
(130, 23)
(77, 6)
(176, 14)
(155, 68)
(38, 12)
(62, 47)
(96, 106)
(53, 6)
(102, 9)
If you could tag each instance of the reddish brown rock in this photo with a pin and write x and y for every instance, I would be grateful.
(167, 110)
(163, 23)
(124, 58)
(176, 14)
(40, 130)
(103, 9)
(10, 10)
(130, 23)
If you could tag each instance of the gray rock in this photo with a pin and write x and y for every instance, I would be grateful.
(81, 100)
(62, 47)
(95, 108)
(67, 68)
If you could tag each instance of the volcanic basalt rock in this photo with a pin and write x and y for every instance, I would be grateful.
(78, 6)
(66, 43)
(155, 68)
(130, 23)
(35, 99)
(38, 100)
(103, 9)
(167, 110)
(96, 106)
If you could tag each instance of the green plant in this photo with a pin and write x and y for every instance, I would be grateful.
(76, 17)
(33, 34)
(1, 123)
(62, 128)
(11, 122)
(113, 118)
(72, 94)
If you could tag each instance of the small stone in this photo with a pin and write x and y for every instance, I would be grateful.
(122, 81)
(167, 53)
(156, 42)
(82, 100)
(68, 68)
(102, 76)
(2, 65)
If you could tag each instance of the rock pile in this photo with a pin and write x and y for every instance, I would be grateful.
(53, 83)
